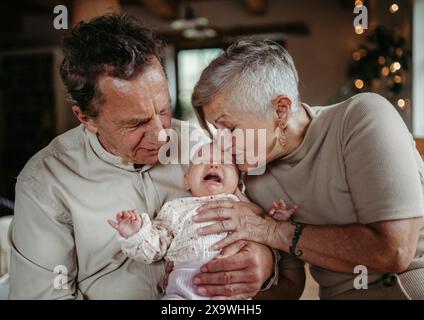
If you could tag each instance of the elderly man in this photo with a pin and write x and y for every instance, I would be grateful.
(62, 247)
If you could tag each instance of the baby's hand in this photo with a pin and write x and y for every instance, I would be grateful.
(280, 212)
(128, 223)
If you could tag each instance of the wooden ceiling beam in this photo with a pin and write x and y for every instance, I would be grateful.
(294, 28)
(83, 10)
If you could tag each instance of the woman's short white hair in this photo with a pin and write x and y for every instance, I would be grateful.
(251, 74)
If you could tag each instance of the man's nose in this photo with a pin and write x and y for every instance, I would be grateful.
(155, 128)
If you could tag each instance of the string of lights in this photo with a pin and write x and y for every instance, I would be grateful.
(384, 57)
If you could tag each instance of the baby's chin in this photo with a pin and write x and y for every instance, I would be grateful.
(208, 191)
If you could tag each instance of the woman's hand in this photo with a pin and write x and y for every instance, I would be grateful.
(168, 269)
(243, 221)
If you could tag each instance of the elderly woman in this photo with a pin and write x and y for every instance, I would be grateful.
(352, 168)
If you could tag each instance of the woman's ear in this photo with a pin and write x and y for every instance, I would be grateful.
(186, 184)
(87, 121)
(282, 105)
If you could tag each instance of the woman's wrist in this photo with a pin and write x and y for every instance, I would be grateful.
(283, 235)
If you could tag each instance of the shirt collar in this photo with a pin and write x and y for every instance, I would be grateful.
(111, 158)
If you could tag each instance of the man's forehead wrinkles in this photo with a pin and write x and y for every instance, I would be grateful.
(122, 85)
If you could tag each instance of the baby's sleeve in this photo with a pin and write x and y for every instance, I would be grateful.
(152, 241)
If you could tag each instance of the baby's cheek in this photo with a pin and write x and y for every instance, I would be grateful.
(231, 184)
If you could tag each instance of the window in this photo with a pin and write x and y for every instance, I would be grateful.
(190, 64)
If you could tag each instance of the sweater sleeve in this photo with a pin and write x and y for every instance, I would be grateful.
(382, 169)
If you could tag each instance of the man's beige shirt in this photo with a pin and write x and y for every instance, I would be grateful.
(64, 196)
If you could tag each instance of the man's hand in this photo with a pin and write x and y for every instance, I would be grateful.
(168, 269)
(237, 273)
(128, 223)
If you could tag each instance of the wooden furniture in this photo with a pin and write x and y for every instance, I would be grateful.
(420, 146)
(33, 110)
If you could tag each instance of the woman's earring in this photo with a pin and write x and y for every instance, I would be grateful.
(282, 140)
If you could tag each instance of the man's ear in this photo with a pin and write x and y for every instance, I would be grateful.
(87, 121)
(282, 109)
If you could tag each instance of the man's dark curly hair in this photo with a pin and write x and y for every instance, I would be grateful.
(112, 45)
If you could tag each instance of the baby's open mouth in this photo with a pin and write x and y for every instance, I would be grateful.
(213, 177)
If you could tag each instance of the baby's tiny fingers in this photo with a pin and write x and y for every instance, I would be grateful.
(127, 215)
(283, 215)
(137, 217)
(112, 223)
(119, 215)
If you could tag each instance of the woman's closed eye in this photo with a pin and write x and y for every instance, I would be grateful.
(229, 126)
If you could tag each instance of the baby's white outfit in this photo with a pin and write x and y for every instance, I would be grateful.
(172, 235)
